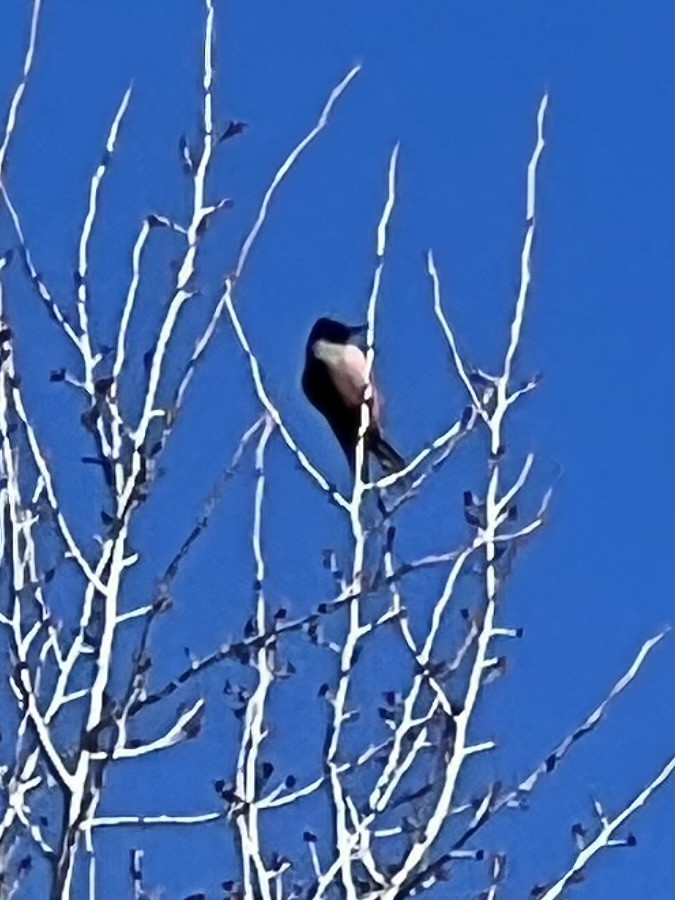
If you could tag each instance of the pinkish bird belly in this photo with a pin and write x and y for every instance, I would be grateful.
(347, 367)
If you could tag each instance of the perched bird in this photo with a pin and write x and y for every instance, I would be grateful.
(334, 381)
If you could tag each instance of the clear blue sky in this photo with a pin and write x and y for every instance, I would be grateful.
(458, 85)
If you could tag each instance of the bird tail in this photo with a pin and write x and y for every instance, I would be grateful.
(389, 458)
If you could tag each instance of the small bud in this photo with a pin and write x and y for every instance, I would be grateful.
(233, 129)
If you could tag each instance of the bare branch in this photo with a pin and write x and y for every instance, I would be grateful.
(287, 165)
(88, 225)
(254, 731)
(517, 324)
(517, 796)
(115, 821)
(355, 628)
(179, 731)
(603, 838)
(450, 337)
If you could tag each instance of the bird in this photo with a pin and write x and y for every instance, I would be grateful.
(334, 381)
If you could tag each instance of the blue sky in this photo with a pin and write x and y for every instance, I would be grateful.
(459, 86)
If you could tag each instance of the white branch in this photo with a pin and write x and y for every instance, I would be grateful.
(88, 225)
(517, 324)
(113, 821)
(120, 351)
(173, 736)
(605, 834)
(254, 731)
(517, 485)
(21, 87)
(450, 337)
(286, 167)
(355, 629)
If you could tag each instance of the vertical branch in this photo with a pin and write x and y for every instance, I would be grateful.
(187, 266)
(355, 629)
(87, 228)
(136, 873)
(20, 89)
(255, 730)
(526, 254)
(117, 425)
(85, 346)
(91, 867)
(120, 349)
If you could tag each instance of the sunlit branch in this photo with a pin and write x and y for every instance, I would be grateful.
(355, 627)
(287, 165)
(604, 836)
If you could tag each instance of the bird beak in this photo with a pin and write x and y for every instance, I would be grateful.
(358, 330)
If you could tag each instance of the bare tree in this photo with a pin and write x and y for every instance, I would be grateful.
(398, 813)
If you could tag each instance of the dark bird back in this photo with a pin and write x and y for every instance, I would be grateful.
(334, 380)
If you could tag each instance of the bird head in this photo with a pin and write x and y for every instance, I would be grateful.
(333, 332)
